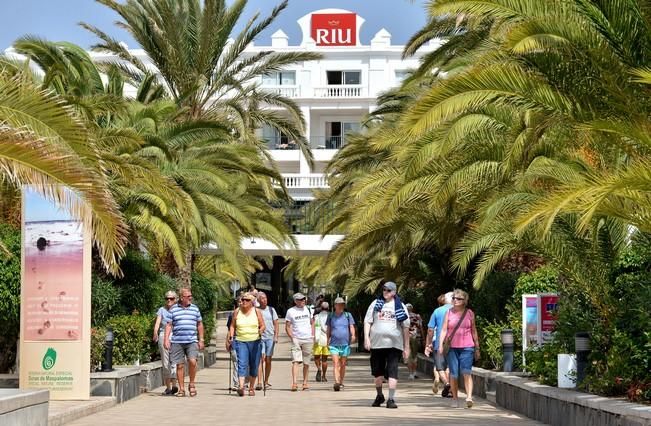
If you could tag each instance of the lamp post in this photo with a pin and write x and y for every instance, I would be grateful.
(582, 349)
(506, 336)
(107, 365)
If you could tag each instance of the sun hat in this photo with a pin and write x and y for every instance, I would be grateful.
(340, 300)
(299, 296)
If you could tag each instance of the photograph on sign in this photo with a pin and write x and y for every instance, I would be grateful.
(53, 275)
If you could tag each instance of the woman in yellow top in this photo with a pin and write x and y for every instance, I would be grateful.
(244, 334)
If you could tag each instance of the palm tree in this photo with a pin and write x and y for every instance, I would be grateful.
(205, 72)
(44, 143)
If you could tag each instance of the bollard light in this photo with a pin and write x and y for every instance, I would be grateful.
(582, 349)
(506, 336)
(107, 365)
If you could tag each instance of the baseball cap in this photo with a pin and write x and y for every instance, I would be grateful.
(390, 285)
(409, 306)
(325, 305)
(299, 296)
(339, 300)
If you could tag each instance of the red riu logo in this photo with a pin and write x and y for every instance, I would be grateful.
(334, 29)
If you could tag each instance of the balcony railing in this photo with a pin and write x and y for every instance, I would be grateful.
(286, 91)
(327, 142)
(305, 181)
(280, 142)
(339, 91)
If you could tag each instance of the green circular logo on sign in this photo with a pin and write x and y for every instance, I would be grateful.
(49, 359)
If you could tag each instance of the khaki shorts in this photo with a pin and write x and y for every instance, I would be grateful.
(302, 351)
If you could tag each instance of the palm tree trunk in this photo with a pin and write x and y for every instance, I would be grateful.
(185, 272)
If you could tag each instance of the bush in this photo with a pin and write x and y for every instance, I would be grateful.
(142, 287)
(106, 301)
(9, 296)
(97, 336)
(132, 342)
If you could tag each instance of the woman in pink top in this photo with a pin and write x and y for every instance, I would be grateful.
(464, 345)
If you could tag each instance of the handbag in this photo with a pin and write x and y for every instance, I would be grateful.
(448, 339)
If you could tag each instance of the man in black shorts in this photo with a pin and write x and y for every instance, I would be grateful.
(386, 335)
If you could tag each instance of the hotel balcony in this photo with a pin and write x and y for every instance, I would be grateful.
(340, 91)
(286, 91)
(308, 181)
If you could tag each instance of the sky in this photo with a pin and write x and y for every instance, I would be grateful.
(57, 20)
(39, 209)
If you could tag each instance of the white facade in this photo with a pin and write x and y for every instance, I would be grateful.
(334, 93)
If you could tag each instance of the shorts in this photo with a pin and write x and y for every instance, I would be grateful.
(414, 347)
(340, 350)
(440, 361)
(460, 360)
(301, 351)
(179, 351)
(168, 371)
(319, 350)
(384, 362)
(267, 347)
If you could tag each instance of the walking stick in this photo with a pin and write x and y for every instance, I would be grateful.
(264, 379)
(230, 374)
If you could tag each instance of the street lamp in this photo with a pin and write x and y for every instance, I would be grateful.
(506, 336)
(582, 349)
(107, 365)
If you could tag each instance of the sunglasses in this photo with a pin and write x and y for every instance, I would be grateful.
(170, 298)
(386, 289)
(246, 300)
(458, 298)
(300, 300)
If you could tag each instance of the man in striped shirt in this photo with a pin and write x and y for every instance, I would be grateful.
(186, 329)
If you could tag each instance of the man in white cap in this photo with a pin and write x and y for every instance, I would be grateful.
(299, 326)
(320, 350)
(386, 335)
(341, 334)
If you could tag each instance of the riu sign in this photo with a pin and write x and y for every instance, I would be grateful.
(334, 29)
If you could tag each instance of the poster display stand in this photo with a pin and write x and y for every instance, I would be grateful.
(538, 319)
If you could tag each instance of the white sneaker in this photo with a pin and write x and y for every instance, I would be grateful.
(454, 403)
(411, 376)
(469, 403)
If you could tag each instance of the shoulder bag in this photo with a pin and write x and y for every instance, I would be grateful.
(448, 339)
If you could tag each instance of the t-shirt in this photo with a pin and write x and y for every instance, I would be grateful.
(386, 331)
(463, 337)
(321, 328)
(339, 328)
(165, 317)
(300, 321)
(184, 323)
(269, 315)
(246, 326)
(415, 325)
(436, 323)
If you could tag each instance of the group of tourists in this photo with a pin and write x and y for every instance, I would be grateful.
(392, 332)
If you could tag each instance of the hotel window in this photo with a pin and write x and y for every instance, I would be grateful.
(279, 78)
(401, 75)
(344, 77)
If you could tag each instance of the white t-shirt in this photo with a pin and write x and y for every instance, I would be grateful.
(386, 331)
(320, 328)
(269, 315)
(300, 321)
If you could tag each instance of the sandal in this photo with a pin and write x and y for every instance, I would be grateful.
(180, 394)
(192, 390)
(294, 387)
(240, 391)
(267, 385)
(258, 387)
(251, 392)
(305, 387)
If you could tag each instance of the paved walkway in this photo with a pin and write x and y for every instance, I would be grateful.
(318, 405)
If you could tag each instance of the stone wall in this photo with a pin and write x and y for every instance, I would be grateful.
(551, 405)
(24, 407)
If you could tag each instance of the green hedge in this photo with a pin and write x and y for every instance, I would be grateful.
(132, 338)
(9, 296)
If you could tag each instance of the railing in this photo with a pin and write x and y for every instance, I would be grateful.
(327, 142)
(339, 91)
(280, 142)
(305, 181)
(286, 91)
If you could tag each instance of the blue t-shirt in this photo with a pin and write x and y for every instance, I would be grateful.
(339, 328)
(436, 322)
(184, 323)
(165, 317)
